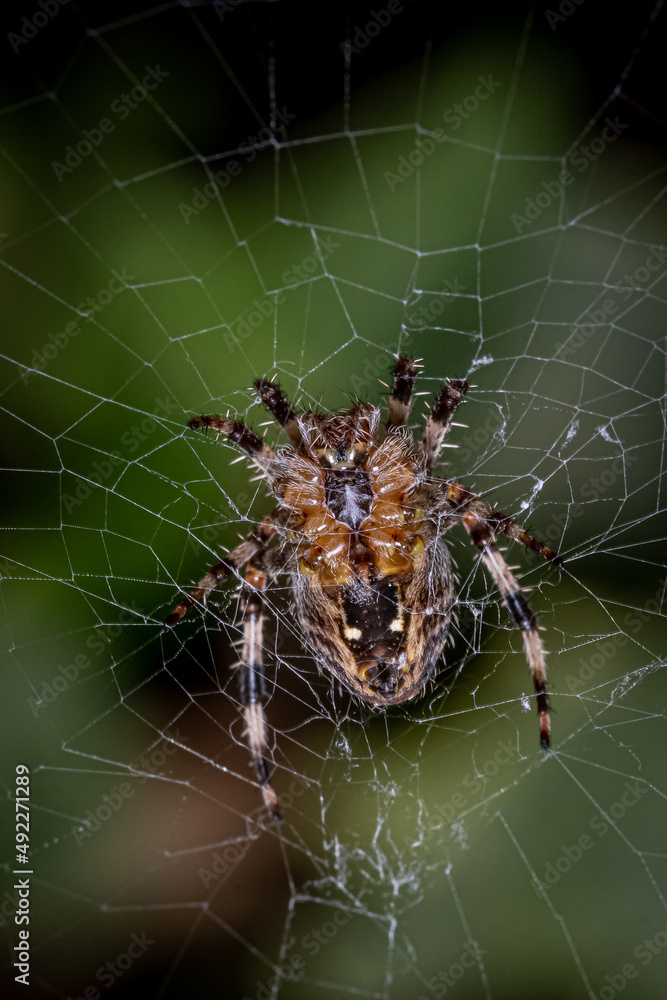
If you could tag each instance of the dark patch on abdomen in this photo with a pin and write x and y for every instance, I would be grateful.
(372, 610)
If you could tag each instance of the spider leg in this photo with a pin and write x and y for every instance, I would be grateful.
(481, 533)
(400, 402)
(480, 510)
(276, 402)
(255, 542)
(251, 682)
(257, 539)
(239, 434)
(440, 419)
(251, 668)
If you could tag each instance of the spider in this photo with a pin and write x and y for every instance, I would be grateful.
(359, 524)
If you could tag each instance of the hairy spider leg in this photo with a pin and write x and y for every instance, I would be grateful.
(400, 401)
(458, 496)
(251, 682)
(440, 419)
(256, 539)
(254, 543)
(276, 402)
(482, 522)
(238, 434)
(482, 535)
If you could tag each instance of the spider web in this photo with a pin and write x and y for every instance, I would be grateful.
(483, 193)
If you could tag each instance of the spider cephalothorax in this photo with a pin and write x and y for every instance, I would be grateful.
(360, 521)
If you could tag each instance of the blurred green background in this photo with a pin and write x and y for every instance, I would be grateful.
(361, 208)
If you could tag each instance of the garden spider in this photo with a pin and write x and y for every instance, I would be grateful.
(359, 525)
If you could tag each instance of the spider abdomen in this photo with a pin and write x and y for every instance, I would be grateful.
(382, 638)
